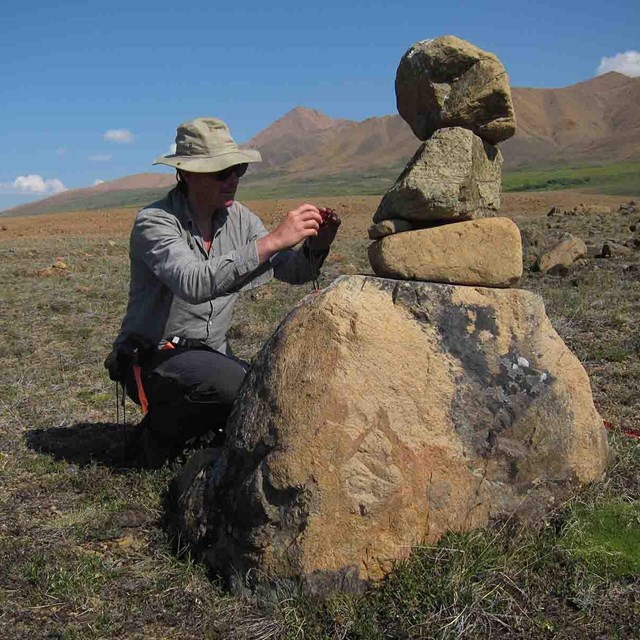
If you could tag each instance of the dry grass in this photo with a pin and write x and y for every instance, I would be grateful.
(82, 550)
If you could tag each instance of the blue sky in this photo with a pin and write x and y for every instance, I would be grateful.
(94, 90)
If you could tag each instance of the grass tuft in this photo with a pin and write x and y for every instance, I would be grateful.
(606, 537)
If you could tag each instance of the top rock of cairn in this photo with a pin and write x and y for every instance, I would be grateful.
(448, 82)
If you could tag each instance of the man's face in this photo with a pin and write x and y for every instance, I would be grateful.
(218, 187)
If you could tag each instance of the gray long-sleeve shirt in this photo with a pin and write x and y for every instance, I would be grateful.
(177, 288)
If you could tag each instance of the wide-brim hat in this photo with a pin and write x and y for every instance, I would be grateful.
(204, 145)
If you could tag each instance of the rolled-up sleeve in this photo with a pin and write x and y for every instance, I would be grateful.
(157, 241)
(294, 266)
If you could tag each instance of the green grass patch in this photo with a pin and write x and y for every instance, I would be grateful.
(70, 577)
(273, 185)
(613, 179)
(606, 537)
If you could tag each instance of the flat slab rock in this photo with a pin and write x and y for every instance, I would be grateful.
(389, 227)
(448, 82)
(380, 415)
(453, 176)
(486, 252)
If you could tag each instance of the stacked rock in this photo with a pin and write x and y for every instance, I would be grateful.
(456, 98)
(341, 455)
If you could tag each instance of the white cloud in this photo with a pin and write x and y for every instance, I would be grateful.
(121, 136)
(172, 148)
(97, 182)
(33, 184)
(100, 158)
(61, 151)
(627, 63)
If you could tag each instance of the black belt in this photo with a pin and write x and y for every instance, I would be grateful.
(186, 343)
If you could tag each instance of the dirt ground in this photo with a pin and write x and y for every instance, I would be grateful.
(116, 221)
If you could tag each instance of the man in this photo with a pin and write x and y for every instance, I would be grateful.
(191, 254)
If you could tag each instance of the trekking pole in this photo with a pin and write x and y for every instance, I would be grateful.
(314, 271)
(117, 403)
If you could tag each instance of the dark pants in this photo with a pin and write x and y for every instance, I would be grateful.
(190, 392)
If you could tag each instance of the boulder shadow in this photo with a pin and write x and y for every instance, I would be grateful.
(85, 443)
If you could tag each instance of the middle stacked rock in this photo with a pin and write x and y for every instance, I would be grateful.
(432, 224)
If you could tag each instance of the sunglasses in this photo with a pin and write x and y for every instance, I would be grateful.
(237, 169)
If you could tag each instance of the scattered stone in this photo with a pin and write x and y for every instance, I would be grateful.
(565, 252)
(4, 228)
(554, 211)
(475, 409)
(591, 209)
(58, 268)
(614, 249)
(629, 208)
(452, 176)
(389, 227)
(448, 82)
(486, 252)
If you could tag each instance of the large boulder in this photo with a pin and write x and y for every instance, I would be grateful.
(452, 176)
(486, 252)
(448, 82)
(382, 414)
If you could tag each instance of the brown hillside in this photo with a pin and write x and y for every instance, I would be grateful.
(77, 198)
(593, 121)
(596, 120)
(361, 146)
(299, 132)
(136, 181)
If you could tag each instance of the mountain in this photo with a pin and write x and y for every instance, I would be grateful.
(597, 121)
(338, 146)
(295, 134)
(593, 121)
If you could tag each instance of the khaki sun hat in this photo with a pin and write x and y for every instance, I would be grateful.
(204, 145)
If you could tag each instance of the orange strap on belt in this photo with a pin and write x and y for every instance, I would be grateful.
(137, 374)
(142, 396)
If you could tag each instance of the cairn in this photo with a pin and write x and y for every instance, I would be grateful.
(385, 412)
(433, 223)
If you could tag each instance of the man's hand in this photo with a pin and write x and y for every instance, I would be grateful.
(303, 222)
(327, 232)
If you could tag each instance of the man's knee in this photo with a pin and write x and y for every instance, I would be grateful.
(220, 385)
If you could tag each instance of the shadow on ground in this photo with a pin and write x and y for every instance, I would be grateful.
(85, 443)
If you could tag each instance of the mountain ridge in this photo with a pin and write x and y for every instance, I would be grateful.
(596, 120)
